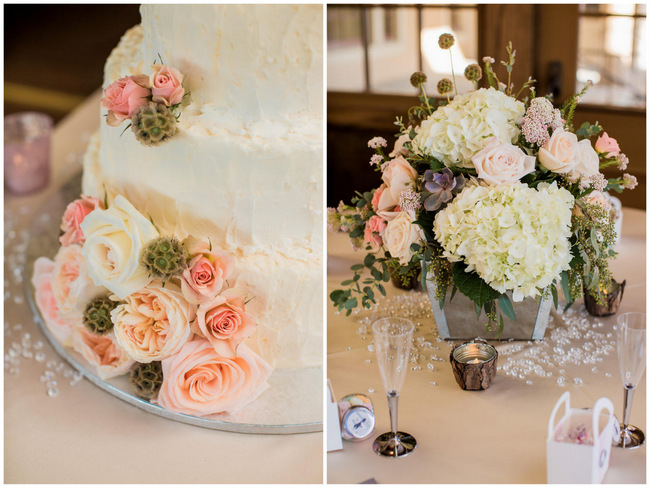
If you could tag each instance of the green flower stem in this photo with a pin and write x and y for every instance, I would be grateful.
(453, 76)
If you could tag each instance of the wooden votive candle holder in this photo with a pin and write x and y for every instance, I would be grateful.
(474, 365)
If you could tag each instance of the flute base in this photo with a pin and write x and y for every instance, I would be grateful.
(398, 446)
(631, 437)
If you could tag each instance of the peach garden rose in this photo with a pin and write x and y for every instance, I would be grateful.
(198, 381)
(398, 176)
(154, 322)
(123, 97)
(74, 215)
(166, 85)
(102, 352)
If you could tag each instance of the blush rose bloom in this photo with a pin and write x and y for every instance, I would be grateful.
(197, 381)
(206, 272)
(60, 328)
(114, 239)
(502, 163)
(224, 322)
(400, 233)
(398, 175)
(607, 145)
(373, 239)
(166, 85)
(374, 203)
(153, 323)
(102, 352)
(123, 97)
(71, 286)
(559, 152)
(74, 215)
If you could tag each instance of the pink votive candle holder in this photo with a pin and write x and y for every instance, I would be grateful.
(27, 152)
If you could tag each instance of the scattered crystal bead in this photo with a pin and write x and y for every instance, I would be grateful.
(38, 345)
(432, 383)
(371, 348)
(52, 392)
(371, 390)
(40, 356)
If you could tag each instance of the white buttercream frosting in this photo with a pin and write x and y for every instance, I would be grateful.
(245, 168)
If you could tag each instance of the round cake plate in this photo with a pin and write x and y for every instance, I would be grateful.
(291, 405)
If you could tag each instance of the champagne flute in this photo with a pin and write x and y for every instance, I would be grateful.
(630, 340)
(393, 338)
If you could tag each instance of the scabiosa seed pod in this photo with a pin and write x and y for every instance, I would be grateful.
(445, 86)
(164, 258)
(97, 316)
(146, 379)
(153, 124)
(473, 72)
(445, 41)
(418, 78)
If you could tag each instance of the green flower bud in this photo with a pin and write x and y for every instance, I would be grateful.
(164, 258)
(97, 316)
(445, 41)
(146, 379)
(445, 86)
(473, 72)
(153, 124)
(418, 78)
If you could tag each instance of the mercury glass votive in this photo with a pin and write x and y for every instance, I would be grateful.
(474, 365)
(27, 152)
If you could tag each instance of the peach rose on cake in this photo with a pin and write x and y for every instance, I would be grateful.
(74, 215)
(71, 286)
(502, 163)
(400, 233)
(198, 381)
(166, 85)
(206, 272)
(608, 146)
(123, 97)
(224, 322)
(115, 238)
(153, 323)
(102, 352)
(60, 328)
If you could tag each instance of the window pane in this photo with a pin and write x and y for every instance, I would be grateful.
(345, 65)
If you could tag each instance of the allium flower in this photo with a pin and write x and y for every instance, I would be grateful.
(376, 159)
(376, 142)
(442, 187)
(410, 200)
(457, 131)
(515, 237)
(622, 161)
(629, 181)
(539, 118)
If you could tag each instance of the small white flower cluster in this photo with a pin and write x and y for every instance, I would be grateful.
(539, 118)
(410, 200)
(596, 181)
(376, 159)
(629, 181)
(515, 237)
(457, 131)
(376, 142)
(623, 161)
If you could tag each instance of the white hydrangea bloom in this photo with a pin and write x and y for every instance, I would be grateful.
(515, 237)
(457, 131)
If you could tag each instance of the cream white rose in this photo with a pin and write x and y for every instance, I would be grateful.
(560, 151)
(502, 163)
(398, 176)
(587, 162)
(154, 322)
(399, 234)
(114, 239)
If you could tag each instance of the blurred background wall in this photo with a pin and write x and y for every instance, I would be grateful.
(372, 51)
(54, 54)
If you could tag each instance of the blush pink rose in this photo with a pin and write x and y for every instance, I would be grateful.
(376, 224)
(60, 328)
(376, 197)
(206, 273)
(502, 163)
(166, 85)
(398, 175)
(198, 381)
(102, 352)
(608, 145)
(74, 215)
(559, 153)
(123, 97)
(371, 238)
(224, 322)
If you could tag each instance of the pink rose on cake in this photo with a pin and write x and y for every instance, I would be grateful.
(206, 272)
(42, 280)
(166, 85)
(123, 97)
(102, 352)
(71, 286)
(74, 215)
(224, 322)
(153, 323)
(198, 381)
(114, 240)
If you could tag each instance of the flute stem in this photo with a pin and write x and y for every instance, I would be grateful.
(393, 396)
(627, 404)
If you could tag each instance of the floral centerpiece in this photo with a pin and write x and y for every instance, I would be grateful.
(498, 196)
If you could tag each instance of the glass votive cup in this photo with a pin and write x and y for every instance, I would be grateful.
(27, 152)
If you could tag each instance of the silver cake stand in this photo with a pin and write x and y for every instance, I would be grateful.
(291, 405)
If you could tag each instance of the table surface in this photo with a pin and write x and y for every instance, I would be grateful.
(85, 435)
(492, 436)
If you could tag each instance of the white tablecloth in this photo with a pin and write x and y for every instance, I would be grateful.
(85, 435)
(492, 436)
